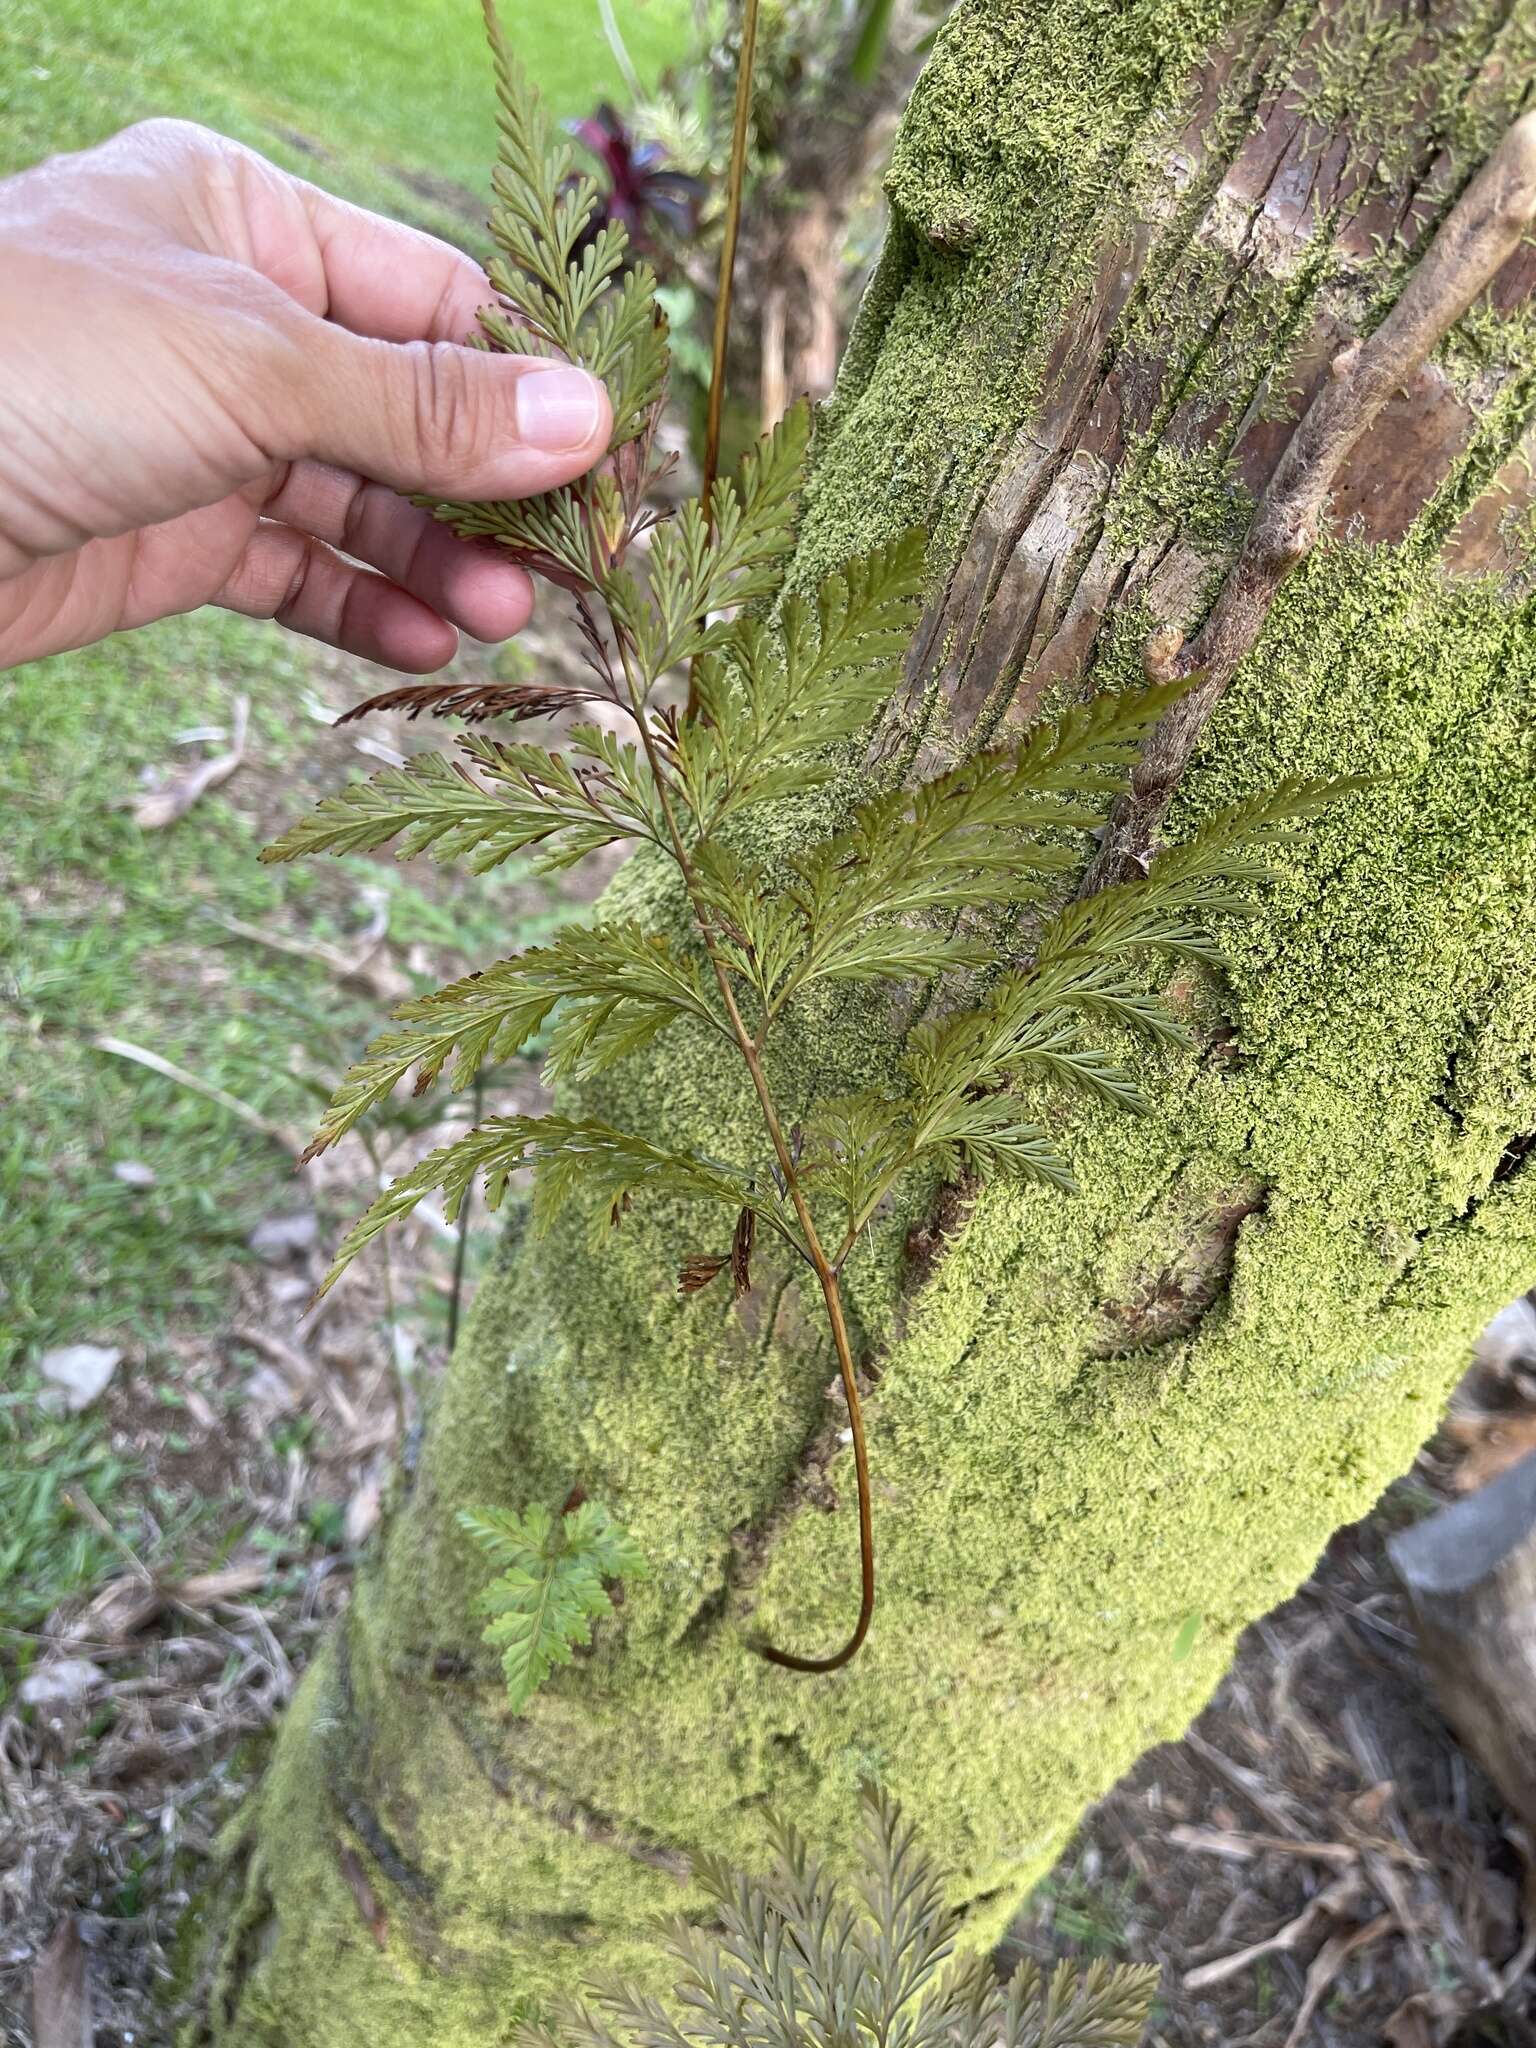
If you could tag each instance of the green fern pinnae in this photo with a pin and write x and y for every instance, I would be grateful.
(795, 1956)
(613, 978)
(431, 806)
(551, 1584)
(569, 1156)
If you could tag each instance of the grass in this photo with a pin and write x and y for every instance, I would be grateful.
(108, 929)
(385, 101)
(105, 929)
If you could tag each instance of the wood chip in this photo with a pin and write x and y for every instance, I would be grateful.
(61, 1991)
(1241, 1848)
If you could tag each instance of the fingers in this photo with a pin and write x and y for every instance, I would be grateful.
(305, 585)
(474, 586)
(429, 416)
(390, 281)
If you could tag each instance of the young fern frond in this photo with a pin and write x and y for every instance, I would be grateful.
(918, 888)
(550, 1586)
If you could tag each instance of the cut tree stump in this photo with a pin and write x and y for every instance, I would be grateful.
(1470, 1575)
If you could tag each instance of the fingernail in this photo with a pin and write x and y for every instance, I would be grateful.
(558, 408)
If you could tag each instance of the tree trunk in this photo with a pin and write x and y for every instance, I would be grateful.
(1107, 1431)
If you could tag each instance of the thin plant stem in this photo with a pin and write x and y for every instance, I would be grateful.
(826, 1271)
(620, 50)
(461, 1248)
(734, 186)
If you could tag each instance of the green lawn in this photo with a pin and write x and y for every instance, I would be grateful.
(386, 101)
(107, 929)
(110, 930)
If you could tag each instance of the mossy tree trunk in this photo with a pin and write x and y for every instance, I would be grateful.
(1107, 1431)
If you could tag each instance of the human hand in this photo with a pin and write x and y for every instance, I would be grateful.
(215, 377)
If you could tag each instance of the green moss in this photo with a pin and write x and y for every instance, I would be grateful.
(1048, 1519)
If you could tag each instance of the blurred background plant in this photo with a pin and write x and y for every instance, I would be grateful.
(828, 82)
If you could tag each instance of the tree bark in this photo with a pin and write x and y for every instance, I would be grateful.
(1470, 1575)
(1127, 243)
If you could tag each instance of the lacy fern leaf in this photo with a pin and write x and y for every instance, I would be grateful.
(917, 888)
(795, 1957)
(551, 1584)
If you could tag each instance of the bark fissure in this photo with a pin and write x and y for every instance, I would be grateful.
(1479, 235)
(562, 1807)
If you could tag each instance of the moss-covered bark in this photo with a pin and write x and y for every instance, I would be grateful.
(1121, 234)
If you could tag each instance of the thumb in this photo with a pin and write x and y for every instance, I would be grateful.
(453, 422)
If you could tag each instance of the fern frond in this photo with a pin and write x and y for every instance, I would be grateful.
(550, 1584)
(565, 809)
(1104, 2005)
(985, 1134)
(907, 1931)
(791, 1960)
(573, 1156)
(773, 701)
(621, 982)
(606, 1169)
(431, 805)
(700, 564)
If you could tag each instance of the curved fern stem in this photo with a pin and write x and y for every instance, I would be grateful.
(832, 1295)
(825, 1270)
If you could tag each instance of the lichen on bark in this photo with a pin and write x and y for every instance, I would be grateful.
(1101, 263)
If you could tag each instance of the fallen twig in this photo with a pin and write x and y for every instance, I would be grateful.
(1331, 1903)
(163, 806)
(1326, 1965)
(61, 1991)
(125, 1049)
(1241, 1848)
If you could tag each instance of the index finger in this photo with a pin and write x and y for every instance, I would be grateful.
(388, 281)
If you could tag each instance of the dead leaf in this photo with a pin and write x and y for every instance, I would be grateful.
(61, 1991)
(173, 800)
(363, 1511)
(116, 1614)
(126, 1606)
(1413, 2024)
(1368, 1807)
(80, 1372)
(299, 1369)
(209, 1589)
(200, 1409)
(64, 1682)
